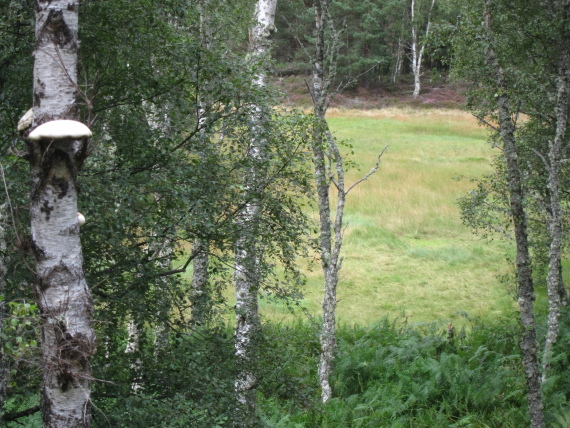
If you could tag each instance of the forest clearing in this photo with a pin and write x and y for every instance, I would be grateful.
(406, 248)
(302, 213)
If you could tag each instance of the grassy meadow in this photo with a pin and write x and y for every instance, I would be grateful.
(406, 250)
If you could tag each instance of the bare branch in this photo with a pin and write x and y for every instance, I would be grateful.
(487, 123)
(310, 92)
(372, 171)
(542, 158)
(11, 417)
(9, 202)
(309, 57)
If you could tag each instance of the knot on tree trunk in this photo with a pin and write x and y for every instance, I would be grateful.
(56, 29)
(73, 354)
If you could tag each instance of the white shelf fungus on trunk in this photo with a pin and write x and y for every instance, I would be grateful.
(60, 130)
(26, 121)
(80, 219)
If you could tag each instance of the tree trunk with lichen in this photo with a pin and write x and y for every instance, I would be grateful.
(328, 331)
(64, 300)
(323, 147)
(555, 285)
(3, 270)
(528, 344)
(248, 248)
(200, 292)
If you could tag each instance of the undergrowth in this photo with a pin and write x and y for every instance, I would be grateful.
(397, 375)
(389, 374)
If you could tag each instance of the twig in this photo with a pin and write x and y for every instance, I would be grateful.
(9, 202)
(481, 119)
(298, 39)
(82, 93)
(11, 417)
(541, 156)
(372, 171)
(310, 92)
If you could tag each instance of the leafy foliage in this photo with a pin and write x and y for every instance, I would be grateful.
(394, 375)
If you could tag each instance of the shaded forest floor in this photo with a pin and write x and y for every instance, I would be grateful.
(437, 92)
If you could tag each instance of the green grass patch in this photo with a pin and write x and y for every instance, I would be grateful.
(405, 247)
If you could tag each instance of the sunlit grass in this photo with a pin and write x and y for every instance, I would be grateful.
(406, 249)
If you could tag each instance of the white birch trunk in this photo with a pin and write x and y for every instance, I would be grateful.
(65, 303)
(398, 65)
(328, 331)
(162, 249)
(248, 249)
(418, 48)
(133, 346)
(199, 289)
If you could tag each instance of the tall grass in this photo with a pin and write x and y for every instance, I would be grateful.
(405, 246)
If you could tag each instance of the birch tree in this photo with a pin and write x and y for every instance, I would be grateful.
(532, 169)
(329, 169)
(418, 46)
(526, 297)
(65, 303)
(489, 62)
(559, 12)
(248, 248)
(3, 306)
(199, 289)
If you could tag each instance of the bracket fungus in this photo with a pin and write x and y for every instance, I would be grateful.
(60, 130)
(80, 219)
(26, 121)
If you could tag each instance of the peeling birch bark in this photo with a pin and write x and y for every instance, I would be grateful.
(248, 250)
(529, 346)
(64, 300)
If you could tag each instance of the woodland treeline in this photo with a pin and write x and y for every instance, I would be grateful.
(192, 177)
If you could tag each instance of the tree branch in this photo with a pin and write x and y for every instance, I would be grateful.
(17, 415)
(372, 171)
